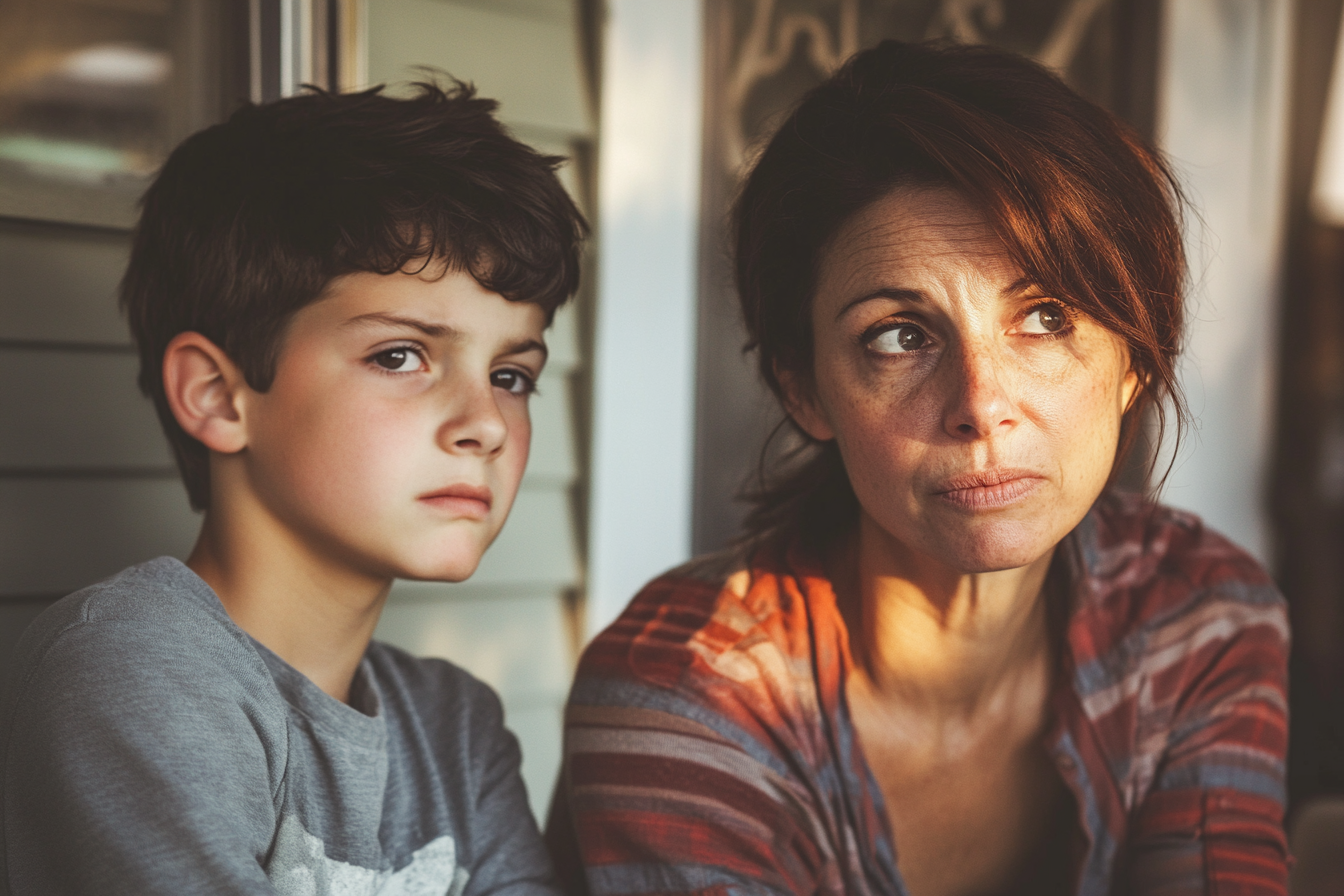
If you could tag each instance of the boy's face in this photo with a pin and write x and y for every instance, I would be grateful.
(395, 434)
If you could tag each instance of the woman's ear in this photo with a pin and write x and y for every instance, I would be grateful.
(800, 402)
(204, 389)
(1130, 389)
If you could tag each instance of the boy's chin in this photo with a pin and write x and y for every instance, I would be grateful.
(457, 567)
(449, 572)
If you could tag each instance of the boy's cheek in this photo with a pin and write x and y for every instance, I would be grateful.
(513, 462)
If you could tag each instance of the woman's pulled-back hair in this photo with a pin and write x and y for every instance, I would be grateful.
(1083, 205)
(251, 219)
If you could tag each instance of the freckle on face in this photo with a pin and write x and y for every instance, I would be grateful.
(983, 395)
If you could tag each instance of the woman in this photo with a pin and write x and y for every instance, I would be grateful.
(950, 658)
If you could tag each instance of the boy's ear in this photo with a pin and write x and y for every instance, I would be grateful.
(204, 388)
(800, 403)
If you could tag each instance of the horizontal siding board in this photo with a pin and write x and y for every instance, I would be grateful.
(96, 205)
(551, 457)
(517, 645)
(63, 409)
(14, 618)
(58, 535)
(406, 591)
(529, 63)
(538, 729)
(59, 284)
(536, 545)
(557, 10)
(562, 341)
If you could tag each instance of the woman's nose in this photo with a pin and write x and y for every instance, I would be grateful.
(474, 423)
(980, 403)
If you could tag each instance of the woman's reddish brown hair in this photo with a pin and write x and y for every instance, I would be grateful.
(1085, 207)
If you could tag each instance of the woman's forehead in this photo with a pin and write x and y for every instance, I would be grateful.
(914, 232)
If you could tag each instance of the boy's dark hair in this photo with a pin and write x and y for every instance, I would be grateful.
(249, 221)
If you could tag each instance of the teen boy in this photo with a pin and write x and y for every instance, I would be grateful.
(339, 303)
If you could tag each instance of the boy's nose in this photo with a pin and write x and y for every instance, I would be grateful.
(980, 403)
(475, 424)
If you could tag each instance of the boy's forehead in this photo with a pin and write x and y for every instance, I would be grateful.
(452, 305)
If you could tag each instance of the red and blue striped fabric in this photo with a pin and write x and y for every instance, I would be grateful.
(708, 748)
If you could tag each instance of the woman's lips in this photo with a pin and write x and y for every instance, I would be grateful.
(989, 490)
(465, 501)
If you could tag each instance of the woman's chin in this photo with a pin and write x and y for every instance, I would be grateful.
(990, 548)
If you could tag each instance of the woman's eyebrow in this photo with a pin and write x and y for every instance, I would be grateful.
(1020, 285)
(374, 318)
(894, 293)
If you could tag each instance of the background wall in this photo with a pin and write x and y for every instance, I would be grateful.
(91, 98)
(1223, 105)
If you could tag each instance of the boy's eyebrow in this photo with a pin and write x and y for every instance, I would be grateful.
(377, 317)
(436, 331)
(527, 345)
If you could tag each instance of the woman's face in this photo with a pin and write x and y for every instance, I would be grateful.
(977, 416)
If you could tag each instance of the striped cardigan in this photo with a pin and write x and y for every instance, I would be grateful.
(709, 747)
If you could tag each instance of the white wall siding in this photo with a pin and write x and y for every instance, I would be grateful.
(87, 485)
(1223, 104)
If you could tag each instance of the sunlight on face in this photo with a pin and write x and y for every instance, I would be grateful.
(395, 434)
(978, 418)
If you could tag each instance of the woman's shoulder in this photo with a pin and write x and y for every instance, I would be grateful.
(736, 617)
(1154, 578)
(1128, 543)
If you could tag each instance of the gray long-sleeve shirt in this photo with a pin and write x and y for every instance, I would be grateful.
(150, 746)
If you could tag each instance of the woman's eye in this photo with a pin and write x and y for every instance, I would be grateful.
(904, 338)
(400, 360)
(513, 381)
(1044, 319)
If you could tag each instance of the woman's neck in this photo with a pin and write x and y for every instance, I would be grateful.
(938, 640)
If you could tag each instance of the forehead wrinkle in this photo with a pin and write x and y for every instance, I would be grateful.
(913, 243)
(884, 241)
(915, 265)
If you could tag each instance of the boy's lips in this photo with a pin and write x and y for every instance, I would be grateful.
(462, 500)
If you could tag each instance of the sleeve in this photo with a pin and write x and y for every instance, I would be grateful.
(509, 856)
(132, 766)
(1213, 820)
(666, 794)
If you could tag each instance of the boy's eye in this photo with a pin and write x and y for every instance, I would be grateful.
(513, 381)
(400, 360)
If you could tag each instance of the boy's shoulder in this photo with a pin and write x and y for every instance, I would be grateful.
(153, 614)
(140, 651)
(162, 590)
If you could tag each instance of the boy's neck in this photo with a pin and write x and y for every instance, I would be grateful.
(316, 615)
